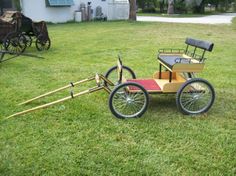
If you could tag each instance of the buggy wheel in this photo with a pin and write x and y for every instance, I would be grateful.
(195, 96)
(128, 100)
(42, 43)
(28, 40)
(111, 74)
(15, 42)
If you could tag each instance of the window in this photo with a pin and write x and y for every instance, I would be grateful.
(59, 3)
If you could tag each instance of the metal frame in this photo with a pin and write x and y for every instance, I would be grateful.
(15, 55)
(170, 51)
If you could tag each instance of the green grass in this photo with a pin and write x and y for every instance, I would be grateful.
(81, 137)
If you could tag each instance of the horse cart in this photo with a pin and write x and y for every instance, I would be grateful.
(17, 31)
(129, 97)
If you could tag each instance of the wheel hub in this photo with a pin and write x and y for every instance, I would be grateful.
(129, 100)
(196, 97)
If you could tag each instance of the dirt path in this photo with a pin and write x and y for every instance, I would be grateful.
(211, 19)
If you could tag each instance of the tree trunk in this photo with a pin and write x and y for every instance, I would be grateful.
(132, 11)
(170, 7)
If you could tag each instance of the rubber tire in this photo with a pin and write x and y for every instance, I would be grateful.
(182, 88)
(6, 40)
(125, 84)
(123, 67)
(38, 43)
(11, 36)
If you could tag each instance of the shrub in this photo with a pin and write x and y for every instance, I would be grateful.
(149, 10)
(180, 7)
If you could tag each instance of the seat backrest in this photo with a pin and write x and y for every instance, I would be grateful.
(201, 45)
(205, 45)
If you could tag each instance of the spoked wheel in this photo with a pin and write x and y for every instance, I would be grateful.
(195, 96)
(111, 74)
(128, 100)
(28, 40)
(42, 43)
(15, 42)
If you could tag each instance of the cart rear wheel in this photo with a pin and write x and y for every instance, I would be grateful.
(28, 40)
(124, 103)
(111, 74)
(15, 42)
(42, 43)
(195, 96)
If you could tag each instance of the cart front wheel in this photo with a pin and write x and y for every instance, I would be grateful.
(128, 100)
(111, 74)
(42, 43)
(15, 42)
(195, 96)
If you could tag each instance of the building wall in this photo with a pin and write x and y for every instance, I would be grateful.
(37, 10)
(118, 10)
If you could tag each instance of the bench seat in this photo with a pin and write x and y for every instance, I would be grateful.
(171, 60)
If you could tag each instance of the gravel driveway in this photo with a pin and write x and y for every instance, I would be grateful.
(225, 18)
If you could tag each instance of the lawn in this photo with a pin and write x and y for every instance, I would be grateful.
(81, 137)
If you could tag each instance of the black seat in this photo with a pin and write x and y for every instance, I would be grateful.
(171, 60)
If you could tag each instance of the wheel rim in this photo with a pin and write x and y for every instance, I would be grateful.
(28, 40)
(196, 97)
(15, 44)
(42, 44)
(128, 104)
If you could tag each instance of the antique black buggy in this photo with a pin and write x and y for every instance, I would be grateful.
(10, 38)
(17, 30)
(129, 97)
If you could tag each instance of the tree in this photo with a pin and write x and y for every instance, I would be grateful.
(221, 5)
(1, 7)
(162, 6)
(171, 7)
(199, 6)
(17, 4)
(132, 11)
(141, 3)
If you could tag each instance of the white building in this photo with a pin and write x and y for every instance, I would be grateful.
(58, 11)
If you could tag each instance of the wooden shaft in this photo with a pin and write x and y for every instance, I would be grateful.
(107, 80)
(56, 102)
(57, 90)
(107, 89)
